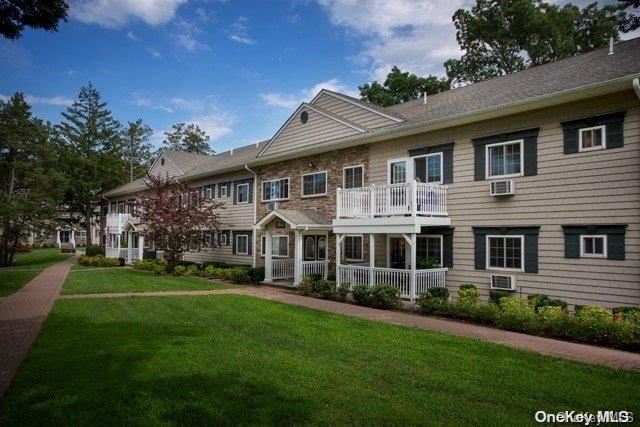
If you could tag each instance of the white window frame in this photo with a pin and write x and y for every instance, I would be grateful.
(361, 247)
(425, 156)
(326, 184)
(279, 236)
(591, 236)
(504, 236)
(276, 180)
(238, 193)
(344, 175)
(223, 238)
(408, 168)
(237, 236)
(208, 240)
(430, 236)
(487, 165)
(208, 191)
(604, 138)
(226, 190)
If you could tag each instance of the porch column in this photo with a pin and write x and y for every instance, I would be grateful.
(140, 246)
(58, 237)
(268, 260)
(339, 238)
(412, 285)
(372, 258)
(297, 262)
(129, 245)
(119, 239)
(73, 238)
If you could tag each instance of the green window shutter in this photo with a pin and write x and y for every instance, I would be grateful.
(614, 129)
(447, 166)
(478, 162)
(570, 141)
(614, 135)
(447, 249)
(531, 252)
(615, 246)
(571, 245)
(530, 147)
(233, 243)
(480, 250)
(615, 239)
(530, 244)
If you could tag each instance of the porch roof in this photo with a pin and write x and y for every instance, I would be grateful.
(134, 224)
(296, 218)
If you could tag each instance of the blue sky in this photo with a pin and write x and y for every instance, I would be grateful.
(237, 68)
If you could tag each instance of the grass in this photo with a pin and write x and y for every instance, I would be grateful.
(232, 359)
(91, 280)
(29, 265)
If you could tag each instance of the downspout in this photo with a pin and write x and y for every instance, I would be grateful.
(255, 213)
(636, 86)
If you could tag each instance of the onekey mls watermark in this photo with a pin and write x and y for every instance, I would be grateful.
(584, 418)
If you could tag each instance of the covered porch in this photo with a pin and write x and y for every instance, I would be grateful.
(128, 244)
(294, 244)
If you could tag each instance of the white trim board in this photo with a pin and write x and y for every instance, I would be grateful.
(352, 102)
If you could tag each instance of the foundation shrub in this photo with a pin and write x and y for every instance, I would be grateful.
(239, 275)
(326, 289)
(97, 261)
(256, 274)
(361, 295)
(384, 296)
(192, 270)
(495, 295)
(93, 250)
(306, 286)
(468, 296)
(439, 293)
(160, 269)
(343, 291)
(180, 270)
(517, 315)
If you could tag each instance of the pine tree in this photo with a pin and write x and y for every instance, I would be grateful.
(137, 149)
(188, 138)
(92, 157)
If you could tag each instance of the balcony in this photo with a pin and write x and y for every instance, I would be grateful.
(116, 222)
(402, 207)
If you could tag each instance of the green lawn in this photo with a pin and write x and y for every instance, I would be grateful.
(92, 280)
(30, 264)
(227, 359)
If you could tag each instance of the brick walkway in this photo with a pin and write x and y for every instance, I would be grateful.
(567, 350)
(22, 315)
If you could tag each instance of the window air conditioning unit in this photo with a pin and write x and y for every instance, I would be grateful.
(504, 187)
(272, 206)
(505, 283)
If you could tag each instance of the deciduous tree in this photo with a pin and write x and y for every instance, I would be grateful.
(136, 146)
(187, 137)
(173, 213)
(401, 86)
(15, 15)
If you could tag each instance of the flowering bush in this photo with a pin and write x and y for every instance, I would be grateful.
(517, 315)
(468, 296)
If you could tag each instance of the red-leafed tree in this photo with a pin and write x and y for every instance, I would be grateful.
(173, 213)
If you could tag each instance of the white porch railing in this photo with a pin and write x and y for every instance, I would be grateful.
(111, 252)
(133, 254)
(398, 278)
(282, 268)
(115, 222)
(411, 198)
(315, 267)
(159, 254)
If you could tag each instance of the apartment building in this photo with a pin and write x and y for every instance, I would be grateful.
(528, 182)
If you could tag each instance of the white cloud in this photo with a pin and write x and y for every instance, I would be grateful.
(147, 101)
(41, 100)
(186, 36)
(415, 35)
(204, 14)
(116, 13)
(238, 31)
(154, 53)
(132, 36)
(215, 124)
(292, 100)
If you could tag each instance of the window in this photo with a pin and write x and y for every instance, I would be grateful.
(310, 248)
(242, 244)
(398, 172)
(593, 138)
(353, 248)
(321, 253)
(504, 159)
(275, 190)
(224, 190)
(223, 239)
(122, 207)
(314, 184)
(242, 193)
(505, 252)
(114, 208)
(207, 239)
(353, 177)
(208, 191)
(429, 168)
(592, 246)
(279, 246)
(429, 247)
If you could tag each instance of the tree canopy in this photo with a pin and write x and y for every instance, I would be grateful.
(401, 86)
(187, 137)
(136, 146)
(15, 15)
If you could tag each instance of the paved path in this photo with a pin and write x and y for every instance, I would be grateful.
(22, 315)
(568, 350)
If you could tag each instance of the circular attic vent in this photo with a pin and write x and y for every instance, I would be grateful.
(304, 116)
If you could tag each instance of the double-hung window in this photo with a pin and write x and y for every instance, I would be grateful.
(429, 247)
(353, 177)
(397, 172)
(275, 190)
(208, 191)
(592, 138)
(242, 193)
(429, 168)
(314, 184)
(593, 246)
(223, 238)
(353, 248)
(242, 244)
(505, 252)
(224, 190)
(504, 159)
(279, 246)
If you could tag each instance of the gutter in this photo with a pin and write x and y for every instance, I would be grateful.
(636, 86)
(255, 212)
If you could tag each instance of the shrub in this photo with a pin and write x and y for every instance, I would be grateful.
(361, 294)
(486, 314)
(327, 289)
(556, 303)
(517, 315)
(97, 261)
(343, 291)
(160, 269)
(427, 304)
(239, 275)
(147, 264)
(594, 313)
(179, 270)
(495, 295)
(385, 296)
(184, 263)
(537, 300)
(217, 264)
(554, 320)
(625, 310)
(305, 287)
(192, 270)
(256, 275)
(439, 293)
(468, 296)
(93, 250)
(467, 286)
(121, 261)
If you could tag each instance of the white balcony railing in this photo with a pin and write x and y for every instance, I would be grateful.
(315, 267)
(411, 198)
(282, 268)
(115, 222)
(399, 278)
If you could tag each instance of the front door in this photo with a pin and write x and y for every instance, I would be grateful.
(65, 236)
(397, 252)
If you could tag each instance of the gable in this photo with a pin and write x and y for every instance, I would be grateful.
(342, 106)
(163, 166)
(321, 126)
